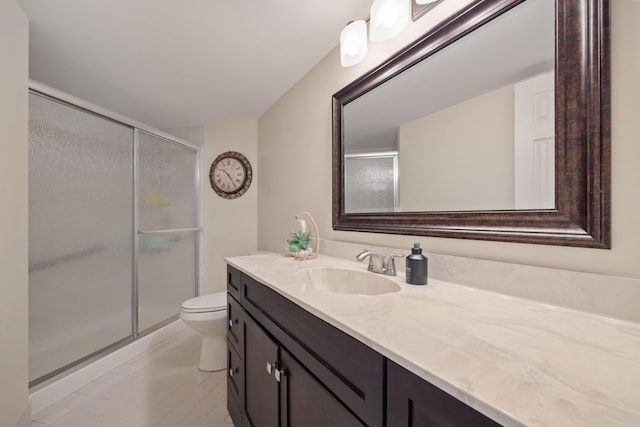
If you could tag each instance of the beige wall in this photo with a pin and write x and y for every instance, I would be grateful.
(295, 160)
(469, 146)
(230, 226)
(14, 45)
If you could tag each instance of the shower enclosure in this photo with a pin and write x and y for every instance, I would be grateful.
(113, 232)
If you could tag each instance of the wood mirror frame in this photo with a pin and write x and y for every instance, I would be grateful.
(582, 127)
(417, 10)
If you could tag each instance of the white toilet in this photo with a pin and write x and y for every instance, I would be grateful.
(207, 314)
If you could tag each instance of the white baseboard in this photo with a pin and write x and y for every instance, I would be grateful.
(53, 392)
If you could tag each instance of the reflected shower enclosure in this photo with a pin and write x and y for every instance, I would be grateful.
(113, 233)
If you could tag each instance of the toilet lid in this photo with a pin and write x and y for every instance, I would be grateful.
(204, 303)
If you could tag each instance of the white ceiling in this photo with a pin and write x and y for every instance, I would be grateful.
(172, 63)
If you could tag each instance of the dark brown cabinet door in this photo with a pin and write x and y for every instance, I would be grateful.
(305, 402)
(412, 401)
(261, 388)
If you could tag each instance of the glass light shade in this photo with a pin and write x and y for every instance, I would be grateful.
(388, 18)
(425, 1)
(353, 43)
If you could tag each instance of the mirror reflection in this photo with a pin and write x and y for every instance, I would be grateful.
(469, 128)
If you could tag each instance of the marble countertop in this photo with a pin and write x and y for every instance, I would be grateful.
(517, 361)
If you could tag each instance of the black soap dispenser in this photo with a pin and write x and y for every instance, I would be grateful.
(416, 266)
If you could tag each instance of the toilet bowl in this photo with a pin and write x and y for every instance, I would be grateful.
(207, 314)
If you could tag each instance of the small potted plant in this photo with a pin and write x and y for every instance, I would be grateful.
(300, 243)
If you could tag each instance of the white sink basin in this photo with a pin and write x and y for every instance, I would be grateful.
(346, 281)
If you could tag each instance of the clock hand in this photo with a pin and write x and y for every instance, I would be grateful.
(227, 173)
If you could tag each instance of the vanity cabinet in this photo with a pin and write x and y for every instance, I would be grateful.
(279, 391)
(412, 401)
(297, 370)
(289, 368)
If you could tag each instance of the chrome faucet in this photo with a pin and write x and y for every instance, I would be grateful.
(378, 263)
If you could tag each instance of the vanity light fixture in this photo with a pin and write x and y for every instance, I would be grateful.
(388, 18)
(353, 43)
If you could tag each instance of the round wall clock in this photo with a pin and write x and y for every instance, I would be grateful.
(230, 175)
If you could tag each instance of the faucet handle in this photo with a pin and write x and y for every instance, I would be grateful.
(391, 265)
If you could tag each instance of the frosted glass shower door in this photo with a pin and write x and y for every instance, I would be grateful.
(80, 234)
(167, 224)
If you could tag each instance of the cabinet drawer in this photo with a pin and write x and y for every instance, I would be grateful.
(234, 282)
(412, 401)
(235, 376)
(235, 324)
(350, 369)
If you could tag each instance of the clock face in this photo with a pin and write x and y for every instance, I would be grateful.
(230, 175)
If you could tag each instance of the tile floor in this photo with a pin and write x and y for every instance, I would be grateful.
(160, 387)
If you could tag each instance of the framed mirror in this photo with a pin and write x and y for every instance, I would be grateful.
(498, 123)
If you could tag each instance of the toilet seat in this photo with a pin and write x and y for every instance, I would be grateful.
(206, 303)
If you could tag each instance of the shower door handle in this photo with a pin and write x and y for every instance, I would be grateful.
(169, 230)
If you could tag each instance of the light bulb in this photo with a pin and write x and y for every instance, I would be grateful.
(353, 43)
(388, 18)
(388, 14)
